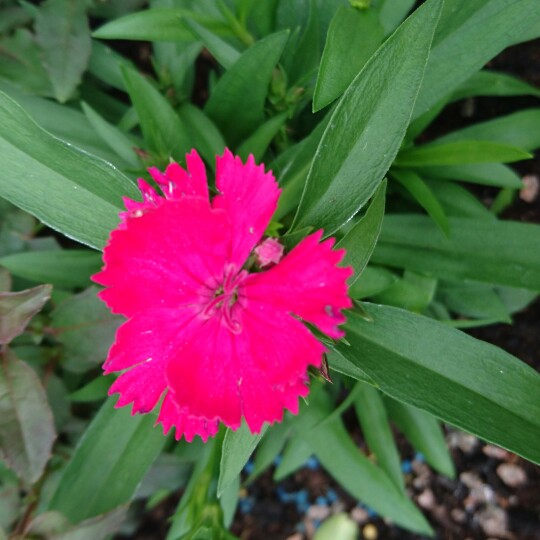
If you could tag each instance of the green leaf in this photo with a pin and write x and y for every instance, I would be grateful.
(371, 412)
(460, 152)
(367, 126)
(219, 48)
(61, 268)
(55, 525)
(63, 35)
(471, 299)
(26, 423)
(206, 137)
(470, 33)
(158, 24)
(295, 455)
(424, 196)
(414, 292)
(260, 140)
(241, 93)
(109, 462)
(105, 64)
(112, 136)
(86, 328)
(292, 167)
(351, 31)
(373, 281)
(95, 390)
(21, 63)
(391, 13)
(17, 308)
(82, 197)
(491, 83)
(360, 241)
(520, 129)
(271, 445)
(458, 201)
(62, 122)
(340, 456)
(237, 447)
(489, 174)
(424, 433)
(501, 252)
(161, 126)
(465, 382)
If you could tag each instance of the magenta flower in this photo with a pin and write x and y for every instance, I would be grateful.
(216, 339)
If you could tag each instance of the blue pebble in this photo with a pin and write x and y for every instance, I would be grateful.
(321, 501)
(331, 496)
(302, 507)
(406, 466)
(316, 523)
(302, 496)
(371, 512)
(246, 505)
(419, 457)
(312, 463)
(249, 466)
(277, 460)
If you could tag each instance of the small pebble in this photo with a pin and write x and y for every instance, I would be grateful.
(359, 515)
(419, 457)
(318, 512)
(458, 515)
(531, 188)
(493, 521)
(369, 532)
(495, 452)
(465, 442)
(321, 501)
(312, 463)
(426, 499)
(296, 536)
(511, 475)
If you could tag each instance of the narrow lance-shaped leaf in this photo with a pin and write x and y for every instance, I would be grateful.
(367, 126)
(360, 241)
(68, 189)
(158, 24)
(371, 412)
(26, 422)
(355, 472)
(237, 447)
(63, 34)
(521, 129)
(241, 92)
(353, 37)
(465, 382)
(460, 152)
(492, 251)
(61, 268)
(109, 462)
(473, 31)
(424, 433)
(161, 126)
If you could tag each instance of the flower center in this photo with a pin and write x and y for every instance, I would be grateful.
(223, 300)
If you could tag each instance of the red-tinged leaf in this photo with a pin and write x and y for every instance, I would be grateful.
(17, 308)
(26, 423)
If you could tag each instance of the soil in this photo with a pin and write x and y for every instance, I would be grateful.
(495, 494)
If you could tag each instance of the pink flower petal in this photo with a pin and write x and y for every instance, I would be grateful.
(148, 338)
(176, 182)
(185, 426)
(164, 258)
(249, 196)
(308, 283)
(255, 373)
